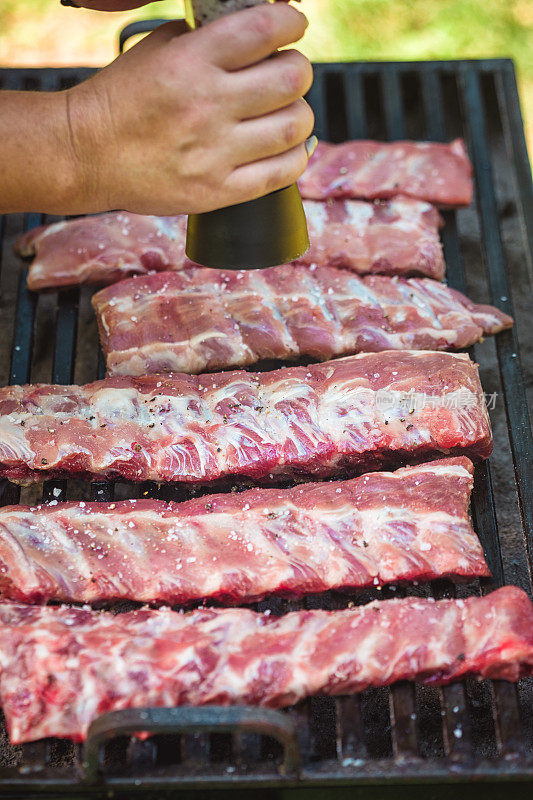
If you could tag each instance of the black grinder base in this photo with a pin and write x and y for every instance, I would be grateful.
(260, 233)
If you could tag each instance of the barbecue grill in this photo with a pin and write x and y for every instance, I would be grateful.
(475, 730)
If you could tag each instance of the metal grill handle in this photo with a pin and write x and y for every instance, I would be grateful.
(190, 720)
(138, 27)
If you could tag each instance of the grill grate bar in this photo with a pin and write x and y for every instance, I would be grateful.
(455, 717)
(22, 343)
(507, 349)
(387, 703)
(403, 720)
(507, 94)
(507, 720)
(101, 370)
(65, 336)
(309, 734)
(505, 708)
(11, 79)
(482, 503)
(354, 101)
(24, 323)
(433, 105)
(486, 526)
(402, 697)
(350, 742)
(391, 88)
(63, 367)
(458, 732)
(317, 100)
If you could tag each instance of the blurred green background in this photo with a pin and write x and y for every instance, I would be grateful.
(41, 32)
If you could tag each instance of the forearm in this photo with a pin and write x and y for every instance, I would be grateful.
(37, 165)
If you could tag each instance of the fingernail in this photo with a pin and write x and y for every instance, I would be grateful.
(310, 145)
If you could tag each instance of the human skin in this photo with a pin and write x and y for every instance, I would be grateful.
(183, 122)
(110, 5)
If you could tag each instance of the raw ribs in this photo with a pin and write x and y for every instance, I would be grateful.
(399, 237)
(102, 249)
(62, 667)
(359, 412)
(206, 319)
(241, 547)
(438, 173)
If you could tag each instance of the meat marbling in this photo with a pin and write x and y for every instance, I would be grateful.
(396, 237)
(62, 667)
(102, 249)
(438, 173)
(411, 524)
(360, 412)
(206, 319)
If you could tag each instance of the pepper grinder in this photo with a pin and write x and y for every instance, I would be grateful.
(259, 233)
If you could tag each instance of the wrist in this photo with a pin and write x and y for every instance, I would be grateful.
(63, 167)
(84, 183)
(37, 168)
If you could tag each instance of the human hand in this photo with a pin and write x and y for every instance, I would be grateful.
(193, 122)
(109, 5)
(112, 5)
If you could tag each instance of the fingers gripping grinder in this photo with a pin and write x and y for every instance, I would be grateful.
(259, 233)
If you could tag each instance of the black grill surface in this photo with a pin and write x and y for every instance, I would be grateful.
(478, 730)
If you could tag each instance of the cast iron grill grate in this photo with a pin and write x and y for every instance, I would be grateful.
(476, 728)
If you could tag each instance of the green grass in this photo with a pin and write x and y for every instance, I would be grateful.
(339, 29)
(427, 29)
(413, 29)
(380, 29)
